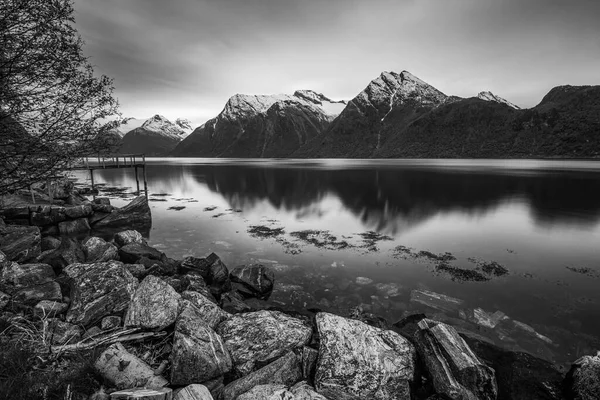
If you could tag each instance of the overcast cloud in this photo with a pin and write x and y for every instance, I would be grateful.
(185, 58)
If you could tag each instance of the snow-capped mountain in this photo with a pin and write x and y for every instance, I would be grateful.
(489, 96)
(128, 124)
(185, 125)
(156, 136)
(261, 126)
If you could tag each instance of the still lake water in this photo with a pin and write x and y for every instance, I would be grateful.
(540, 220)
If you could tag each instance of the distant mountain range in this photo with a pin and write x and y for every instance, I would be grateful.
(396, 115)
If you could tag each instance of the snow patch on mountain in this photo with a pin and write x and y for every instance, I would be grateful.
(489, 96)
(162, 126)
(128, 124)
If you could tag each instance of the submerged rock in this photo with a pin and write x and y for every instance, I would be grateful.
(198, 354)
(261, 336)
(98, 290)
(436, 301)
(283, 371)
(154, 305)
(455, 369)
(135, 214)
(255, 280)
(357, 361)
(123, 370)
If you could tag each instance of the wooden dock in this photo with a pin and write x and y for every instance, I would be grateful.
(136, 161)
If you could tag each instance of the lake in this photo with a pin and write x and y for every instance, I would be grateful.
(514, 243)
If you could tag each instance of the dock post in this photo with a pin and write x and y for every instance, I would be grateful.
(137, 181)
(92, 177)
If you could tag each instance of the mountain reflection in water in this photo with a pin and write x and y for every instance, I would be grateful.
(538, 219)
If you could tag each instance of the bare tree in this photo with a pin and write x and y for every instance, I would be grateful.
(53, 109)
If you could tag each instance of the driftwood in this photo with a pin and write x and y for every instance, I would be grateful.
(143, 394)
(126, 335)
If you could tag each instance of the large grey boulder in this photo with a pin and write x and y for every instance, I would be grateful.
(99, 250)
(261, 336)
(135, 214)
(253, 280)
(127, 237)
(20, 243)
(124, 370)
(31, 295)
(583, 380)
(193, 392)
(154, 305)
(455, 369)
(211, 313)
(198, 354)
(358, 361)
(98, 290)
(283, 371)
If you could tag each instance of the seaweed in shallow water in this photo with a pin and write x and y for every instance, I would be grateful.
(262, 231)
(321, 239)
(461, 274)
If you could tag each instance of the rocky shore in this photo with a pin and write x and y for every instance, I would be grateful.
(139, 324)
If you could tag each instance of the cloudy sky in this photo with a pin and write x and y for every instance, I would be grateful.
(185, 58)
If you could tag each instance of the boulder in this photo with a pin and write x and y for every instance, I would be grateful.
(519, 376)
(58, 332)
(283, 371)
(583, 380)
(303, 391)
(218, 275)
(255, 280)
(358, 361)
(110, 322)
(137, 270)
(20, 243)
(141, 394)
(260, 337)
(195, 283)
(124, 370)
(79, 211)
(48, 308)
(4, 300)
(211, 313)
(133, 252)
(128, 237)
(98, 290)
(455, 369)
(80, 225)
(98, 250)
(436, 301)
(32, 295)
(4, 261)
(193, 392)
(267, 392)
(50, 243)
(69, 252)
(232, 302)
(135, 214)
(26, 274)
(194, 265)
(198, 354)
(154, 305)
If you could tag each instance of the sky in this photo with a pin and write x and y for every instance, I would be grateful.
(185, 58)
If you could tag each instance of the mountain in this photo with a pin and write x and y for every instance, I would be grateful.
(565, 124)
(185, 125)
(489, 96)
(261, 126)
(129, 124)
(156, 136)
(365, 124)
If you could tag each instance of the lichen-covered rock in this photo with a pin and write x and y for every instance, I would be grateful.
(283, 371)
(358, 361)
(48, 308)
(196, 283)
(198, 352)
(303, 391)
(255, 280)
(211, 313)
(127, 237)
(31, 295)
(123, 370)
(79, 211)
(193, 392)
(98, 250)
(267, 392)
(21, 275)
(98, 290)
(74, 226)
(58, 332)
(110, 322)
(50, 243)
(583, 380)
(261, 336)
(455, 369)
(69, 252)
(135, 214)
(154, 305)
(20, 243)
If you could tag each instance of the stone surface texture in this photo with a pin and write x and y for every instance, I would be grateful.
(20, 243)
(261, 336)
(584, 378)
(98, 250)
(211, 313)
(154, 305)
(135, 214)
(255, 280)
(193, 392)
(127, 237)
(358, 361)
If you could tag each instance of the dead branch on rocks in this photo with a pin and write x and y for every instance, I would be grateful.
(125, 335)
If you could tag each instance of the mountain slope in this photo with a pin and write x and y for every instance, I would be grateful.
(261, 126)
(365, 124)
(489, 96)
(565, 124)
(156, 136)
